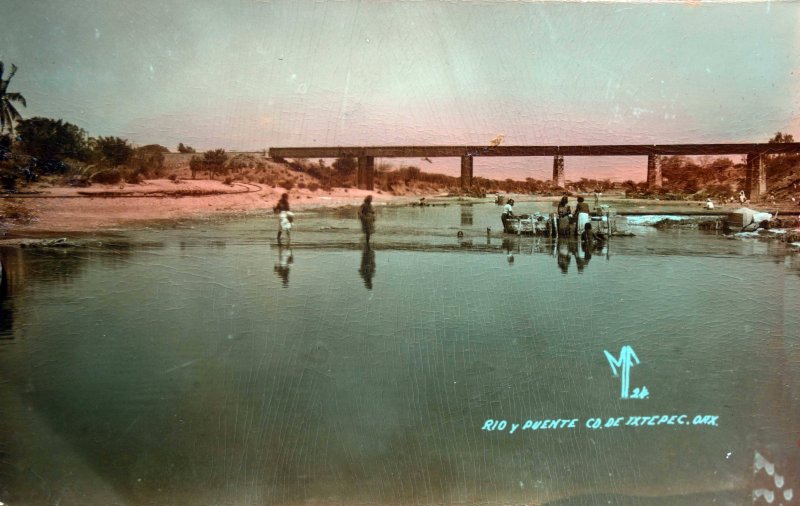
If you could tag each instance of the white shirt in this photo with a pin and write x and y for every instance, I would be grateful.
(508, 209)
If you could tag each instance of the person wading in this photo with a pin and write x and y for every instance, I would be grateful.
(285, 217)
(367, 216)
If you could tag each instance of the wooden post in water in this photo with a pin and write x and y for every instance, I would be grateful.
(756, 178)
(466, 172)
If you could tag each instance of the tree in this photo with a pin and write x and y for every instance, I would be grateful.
(781, 137)
(115, 151)
(213, 161)
(52, 140)
(8, 113)
(185, 149)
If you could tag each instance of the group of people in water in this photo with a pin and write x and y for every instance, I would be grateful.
(581, 217)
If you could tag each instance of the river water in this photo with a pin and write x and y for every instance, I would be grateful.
(198, 363)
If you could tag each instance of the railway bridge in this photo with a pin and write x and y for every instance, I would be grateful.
(756, 179)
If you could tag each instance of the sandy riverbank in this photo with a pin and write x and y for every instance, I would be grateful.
(64, 210)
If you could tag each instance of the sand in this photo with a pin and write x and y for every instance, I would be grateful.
(65, 210)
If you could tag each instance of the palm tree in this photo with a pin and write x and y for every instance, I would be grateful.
(8, 113)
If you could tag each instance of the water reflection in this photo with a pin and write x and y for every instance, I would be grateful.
(309, 398)
(565, 249)
(282, 266)
(466, 214)
(367, 269)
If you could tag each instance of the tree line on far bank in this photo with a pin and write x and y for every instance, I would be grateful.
(44, 146)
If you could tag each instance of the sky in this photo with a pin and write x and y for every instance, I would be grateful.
(249, 75)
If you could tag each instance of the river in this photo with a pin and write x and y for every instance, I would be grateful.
(198, 363)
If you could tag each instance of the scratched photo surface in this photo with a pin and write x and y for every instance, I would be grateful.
(196, 361)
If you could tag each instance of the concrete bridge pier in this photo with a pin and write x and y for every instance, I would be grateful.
(558, 171)
(365, 177)
(756, 176)
(653, 172)
(466, 171)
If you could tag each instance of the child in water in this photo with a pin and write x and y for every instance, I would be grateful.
(285, 217)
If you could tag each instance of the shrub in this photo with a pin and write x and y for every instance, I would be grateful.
(228, 181)
(16, 210)
(313, 187)
(301, 185)
(114, 150)
(134, 177)
(185, 148)
(287, 184)
(148, 160)
(107, 176)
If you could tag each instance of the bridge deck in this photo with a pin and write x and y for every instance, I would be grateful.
(589, 150)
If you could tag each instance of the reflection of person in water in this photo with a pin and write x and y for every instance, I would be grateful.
(563, 257)
(367, 269)
(285, 259)
(509, 251)
(582, 256)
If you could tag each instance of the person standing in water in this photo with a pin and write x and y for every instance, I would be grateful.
(582, 215)
(508, 212)
(367, 216)
(285, 217)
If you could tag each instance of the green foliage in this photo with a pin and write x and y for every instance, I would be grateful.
(52, 140)
(8, 113)
(148, 160)
(212, 161)
(113, 150)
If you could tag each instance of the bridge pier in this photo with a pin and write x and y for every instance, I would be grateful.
(756, 176)
(558, 171)
(466, 171)
(653, 172)
(365, 176)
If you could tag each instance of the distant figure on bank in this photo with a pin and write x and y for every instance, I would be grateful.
(508, 212)
(285, 217)
(367, 216)
(581, 214)
(709, 204)
(742, 197)
(596, 198)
